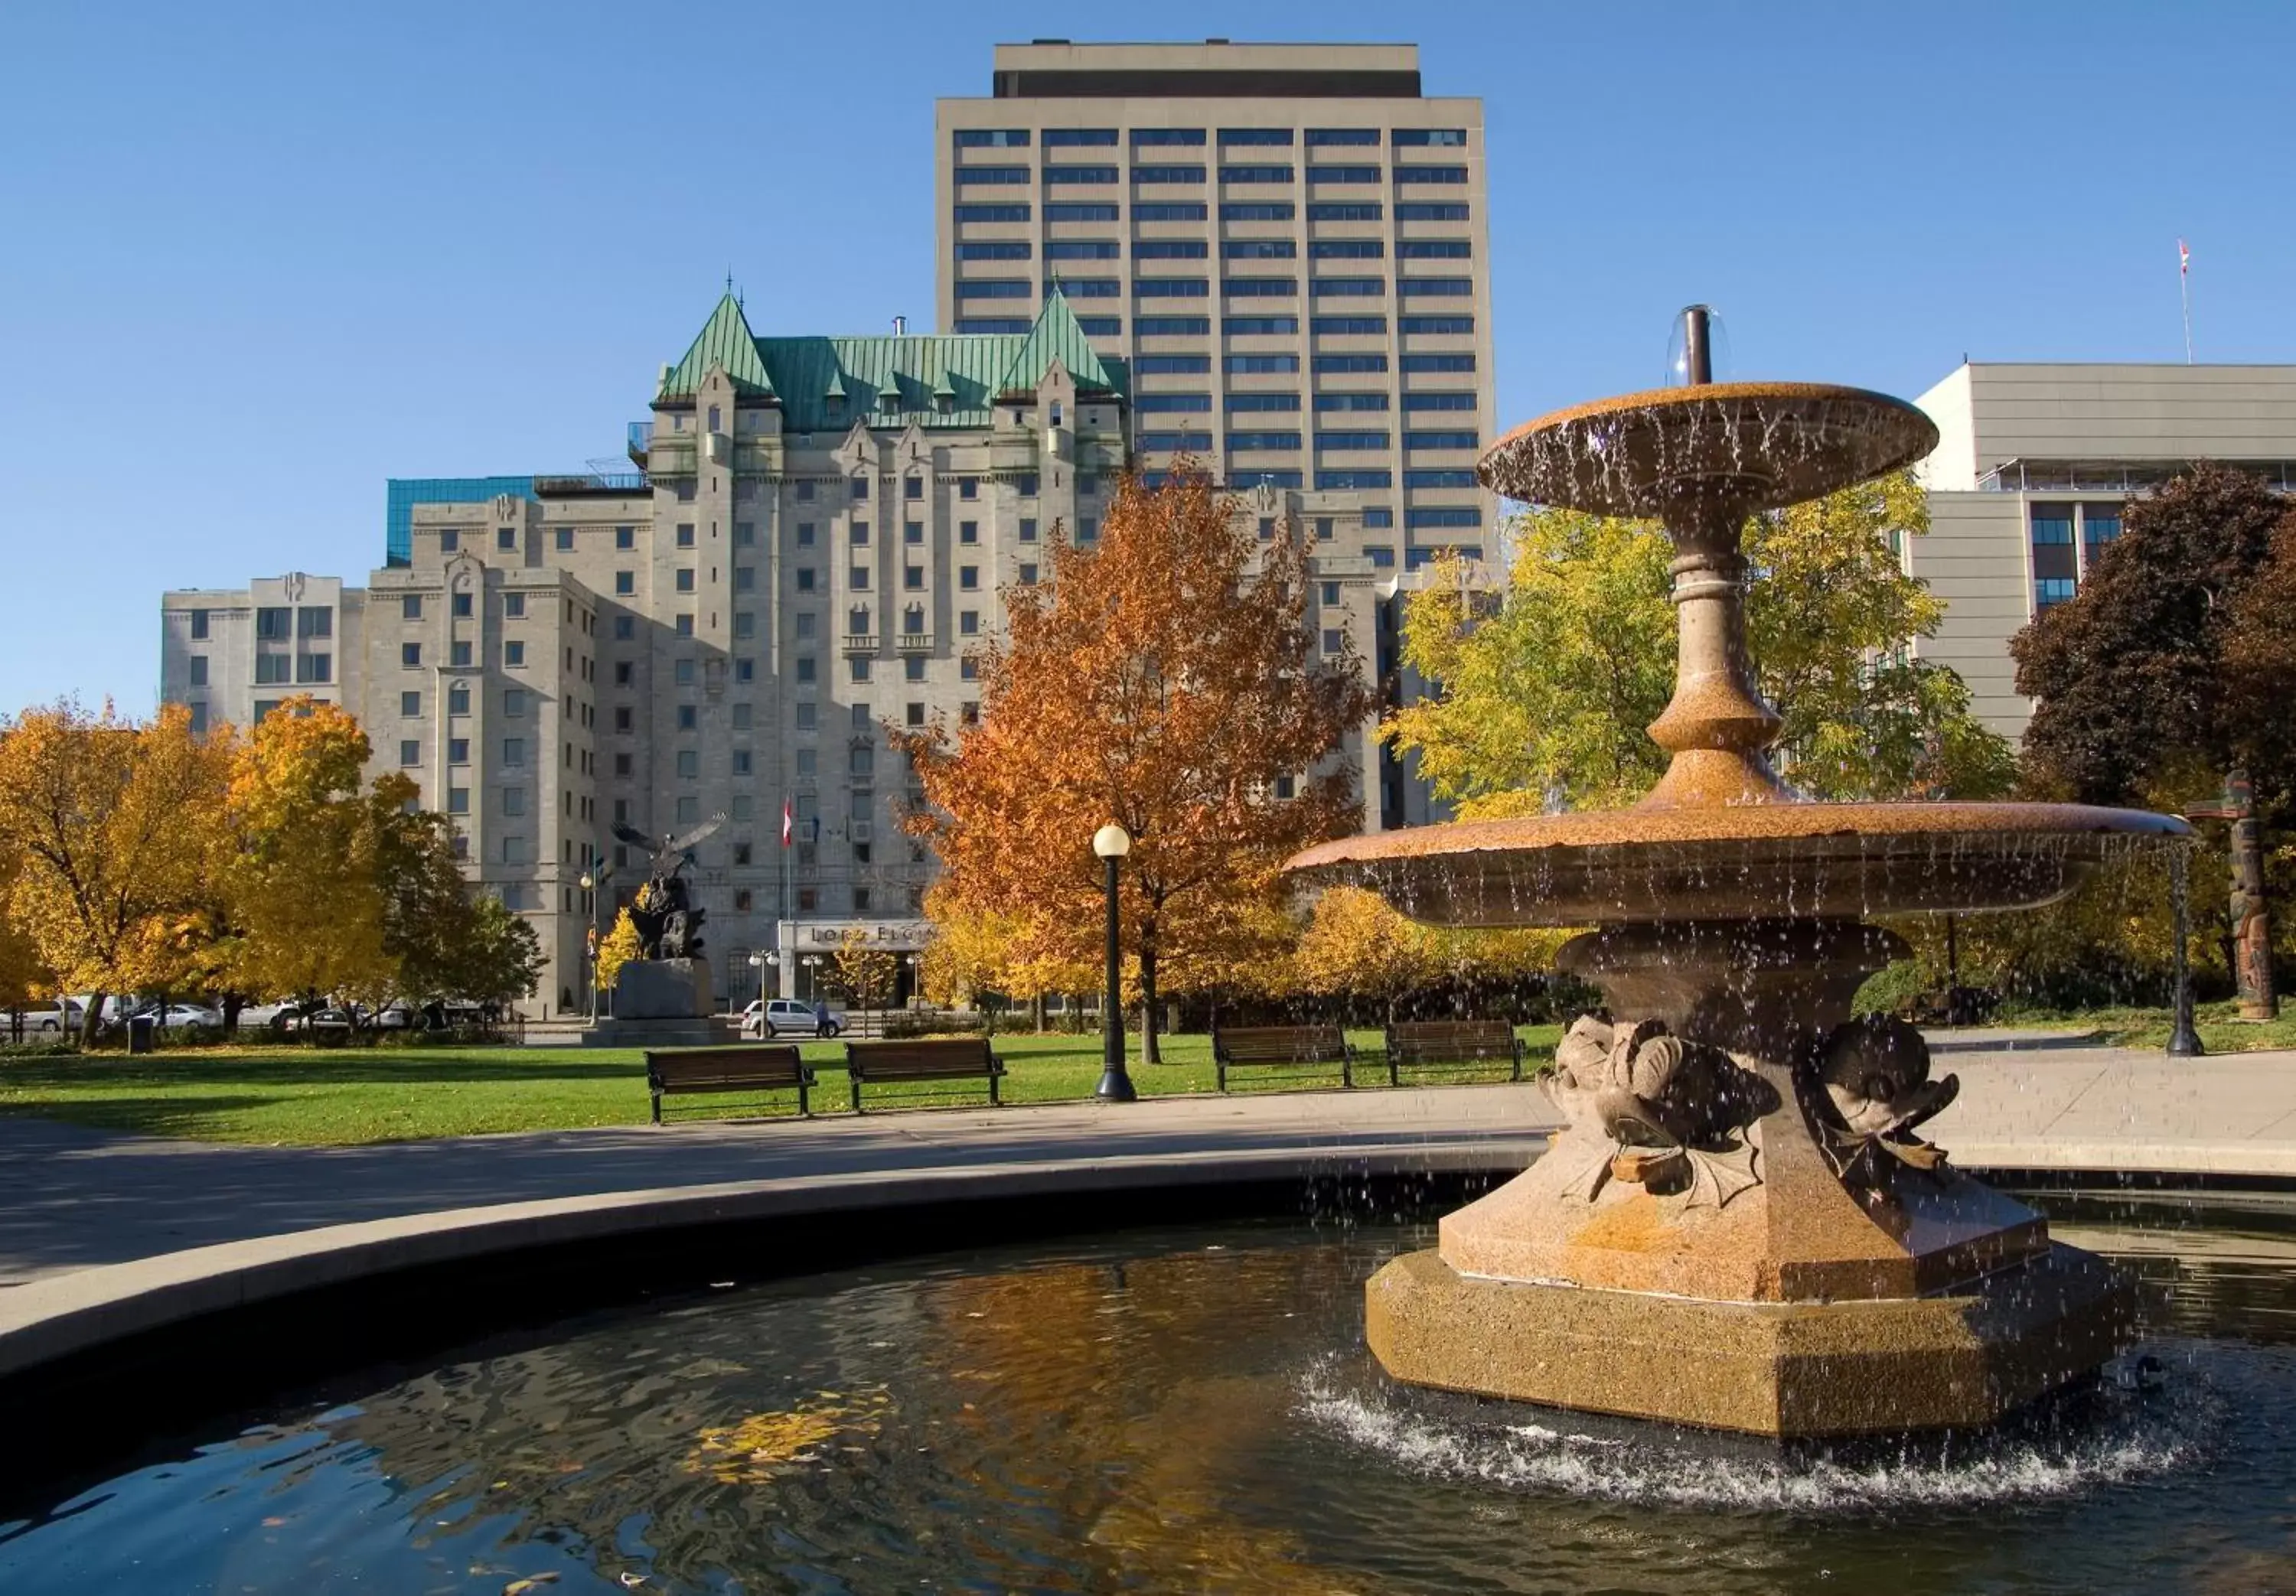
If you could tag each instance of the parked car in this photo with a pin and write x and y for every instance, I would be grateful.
(182, 1017)
(273, 1015)
(47, 1018)
(786, 1017)
(398, 1015)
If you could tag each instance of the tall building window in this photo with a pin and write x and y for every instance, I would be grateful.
(2055, 573)
(200, 621)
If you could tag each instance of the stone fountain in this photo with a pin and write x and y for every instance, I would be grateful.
(1742, 1226)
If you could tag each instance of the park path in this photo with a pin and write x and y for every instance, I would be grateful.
(73, 1199)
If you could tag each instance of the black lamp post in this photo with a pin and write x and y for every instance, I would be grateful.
(1111, 842)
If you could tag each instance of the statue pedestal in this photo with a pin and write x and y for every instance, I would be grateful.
(660, 1002)
(662, 989)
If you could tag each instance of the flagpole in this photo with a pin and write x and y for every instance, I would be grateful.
(2185, 292)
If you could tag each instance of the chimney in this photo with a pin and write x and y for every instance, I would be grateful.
(900, 325)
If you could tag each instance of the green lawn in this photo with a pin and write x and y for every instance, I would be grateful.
(336, 1097)
(2221, 1030)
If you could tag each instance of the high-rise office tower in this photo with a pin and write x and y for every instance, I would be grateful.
(1286, 242)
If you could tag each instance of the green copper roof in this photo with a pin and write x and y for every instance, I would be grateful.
(726, 340)
(971, 369)
(1055, 336)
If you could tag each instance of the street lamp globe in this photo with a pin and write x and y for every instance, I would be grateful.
(1111, 841)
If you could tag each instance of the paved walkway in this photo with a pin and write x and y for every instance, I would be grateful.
(72, 1199)
(103, 1235)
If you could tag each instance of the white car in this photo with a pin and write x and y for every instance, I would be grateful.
(787, 1016)
(185, 1017)
(49, 1019)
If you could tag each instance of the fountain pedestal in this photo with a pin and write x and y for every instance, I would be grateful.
(1778, 1272)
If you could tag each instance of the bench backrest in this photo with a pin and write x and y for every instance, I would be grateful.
(1448, 1039)
(931, 1058)
(695, 1068)
(1281, 1045)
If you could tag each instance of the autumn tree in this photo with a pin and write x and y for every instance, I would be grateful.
(863, 970)
(1354, 942)
(112, 825)
(1167, 680)
(616, 949)
(307, 906)
(22, 976)
(1545, 688)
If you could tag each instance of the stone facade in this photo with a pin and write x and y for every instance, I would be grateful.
(817, 540)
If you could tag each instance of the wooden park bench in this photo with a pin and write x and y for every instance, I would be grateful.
(1282, 1047)
(752, 1069)
(1440, 1044)
(933, 1060)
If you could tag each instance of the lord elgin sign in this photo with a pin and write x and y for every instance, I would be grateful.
(832, 933)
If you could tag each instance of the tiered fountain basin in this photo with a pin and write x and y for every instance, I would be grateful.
(1740, 1228)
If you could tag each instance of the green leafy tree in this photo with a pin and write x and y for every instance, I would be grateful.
(501, 957)
(1547, 687)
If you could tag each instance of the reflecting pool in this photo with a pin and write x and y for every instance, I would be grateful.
(1191, 1410)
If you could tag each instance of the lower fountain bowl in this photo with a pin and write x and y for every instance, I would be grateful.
(1787, 1370)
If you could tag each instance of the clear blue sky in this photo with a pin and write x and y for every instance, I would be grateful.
(254, 260)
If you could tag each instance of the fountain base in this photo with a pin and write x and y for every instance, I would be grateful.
(1784, 1370)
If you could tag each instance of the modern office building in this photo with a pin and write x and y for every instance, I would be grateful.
(2035, 465)
(1287, 245)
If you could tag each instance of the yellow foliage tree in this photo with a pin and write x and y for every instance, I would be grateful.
(1355, 945)
(306, 902)
(863, 970)
(620, 945)
(116, 826)
(22, 977)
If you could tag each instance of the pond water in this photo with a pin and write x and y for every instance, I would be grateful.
(1181, 1410)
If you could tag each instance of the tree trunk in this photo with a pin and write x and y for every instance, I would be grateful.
(88, 1021)
(2251, 925)
(1148, 1015)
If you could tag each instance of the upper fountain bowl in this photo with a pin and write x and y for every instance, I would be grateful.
(1744, 446)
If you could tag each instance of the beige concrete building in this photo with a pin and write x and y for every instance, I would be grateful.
(2032, 473)
(1288, 246)
(815, 541)
(1272, 257)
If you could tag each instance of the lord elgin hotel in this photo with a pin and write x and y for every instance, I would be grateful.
(817, 528)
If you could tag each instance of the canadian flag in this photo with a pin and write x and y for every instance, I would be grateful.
(788, 823)
(2184, 258)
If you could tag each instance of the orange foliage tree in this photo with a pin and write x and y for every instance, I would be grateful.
(1167, 680)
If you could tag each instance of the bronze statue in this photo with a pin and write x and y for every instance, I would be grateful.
(668, 921)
